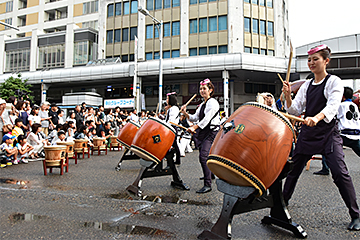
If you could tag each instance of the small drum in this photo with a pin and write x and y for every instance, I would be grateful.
(69, 148)
(99, 141)
(54, 154)
(80, 143)
(127, 133)
(153, 140)
(252, 148)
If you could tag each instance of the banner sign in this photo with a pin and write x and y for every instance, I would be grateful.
(122, 103)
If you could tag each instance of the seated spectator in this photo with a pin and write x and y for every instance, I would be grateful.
(36, 140)
(10, 152)
(61, 137)
(71, 117)
(34, 116)
(24, 149)
(83, 134)
(53, 133)
(17, 130)
(70, 130)
(91, 134)
(106, 132)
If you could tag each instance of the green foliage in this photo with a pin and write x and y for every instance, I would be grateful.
(16, 87)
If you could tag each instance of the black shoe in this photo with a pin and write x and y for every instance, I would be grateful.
(177, 163)
(204, 189)
(322, 172)
(354, 225)
(212, 177)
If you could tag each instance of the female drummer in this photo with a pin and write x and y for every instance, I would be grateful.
(320, 97)
(172, 115)
(208, 124)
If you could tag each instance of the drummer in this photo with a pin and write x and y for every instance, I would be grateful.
(320, 97)
(208, 124)
(172, 115)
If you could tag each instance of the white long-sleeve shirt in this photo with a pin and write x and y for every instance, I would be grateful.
(212, 107)
(348, 116)
(333, 92)
(172, 115)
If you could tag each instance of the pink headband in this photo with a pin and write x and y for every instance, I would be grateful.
(316, 49)
(170, 93)
(205, 81)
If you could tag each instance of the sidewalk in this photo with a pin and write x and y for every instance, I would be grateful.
(90, 202)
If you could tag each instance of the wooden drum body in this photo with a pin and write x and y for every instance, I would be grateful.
(252, 148)
(127, 133)
(54, 154)
(99, 141)
(153, 140)
(80, 143)
(69, 147)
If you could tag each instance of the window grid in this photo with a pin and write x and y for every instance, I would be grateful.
(18, 60)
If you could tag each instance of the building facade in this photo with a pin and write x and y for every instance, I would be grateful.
(57, 39)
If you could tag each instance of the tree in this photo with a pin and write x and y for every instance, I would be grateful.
(16, 87)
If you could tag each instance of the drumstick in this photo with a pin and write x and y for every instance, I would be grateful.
(293, 117)
(289, 65)
(188, 102)
(157, 109)
(178, 125)
(281, 78)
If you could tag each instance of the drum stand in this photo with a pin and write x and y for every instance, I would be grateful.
(152, 169)
(131, 156)
(237, 200)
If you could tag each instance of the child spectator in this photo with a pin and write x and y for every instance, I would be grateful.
(61, 137)
(24, 149)
(34, 116)
(17, 130)
(10, 152)
(70, 131)
(53, 133)
(36, 140)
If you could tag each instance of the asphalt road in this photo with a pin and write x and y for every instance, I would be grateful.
(90, 202)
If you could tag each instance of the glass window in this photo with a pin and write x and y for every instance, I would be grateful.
(202, 1)
(166, 29)
(175, 3)
(222, 23)
(156, 55)
(126, 8)
(124, 58)
(175, 28)
(270, 28)
(149, 31)
(193, 52)
(212, 24)
(133, 33)
(269, 3)
(213, 50)
(247, 25)
(255, 27)
(166, 54)
(271, 53)
(255, 50)
(262, 27)
(125, 34)
(212, 0)
(247, 1)
(148, 56)
(158, 4)
(223, 49)
(193, 26)
(262, 3)
(156, 32)
(134, 6)
(150, 4)
(202, 25)
(247, 49)
(175, 53)
(131, 57)
(167, 3)
(110, 10)
(117, 35)
(203, 51)
(109, 36)
(9, 6)
(193, 1)
(263, 51)
(117, 9)
(255, 1)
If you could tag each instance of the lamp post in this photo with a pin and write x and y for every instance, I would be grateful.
(159, 26)
(10, 26)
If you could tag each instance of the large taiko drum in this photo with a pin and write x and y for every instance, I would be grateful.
(153, 140)
(127, 133)
(54, 154)
(252, 148)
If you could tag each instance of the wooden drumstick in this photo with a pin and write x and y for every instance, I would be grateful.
(188, 102)
(289, 65)
(280, 78)
(157, 109)
(293, 117)
(178, 125)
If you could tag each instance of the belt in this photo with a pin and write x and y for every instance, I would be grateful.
(350, 131)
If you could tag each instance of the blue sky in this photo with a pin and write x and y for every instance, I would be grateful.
(313, 20)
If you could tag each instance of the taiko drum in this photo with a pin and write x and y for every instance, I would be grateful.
(127, 133)
(153, 140)
(54, 154)
(252, 148)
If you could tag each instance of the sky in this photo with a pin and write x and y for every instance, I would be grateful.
(313, 20)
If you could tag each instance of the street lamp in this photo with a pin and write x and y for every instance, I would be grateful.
(159, 26)
(10, 26)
